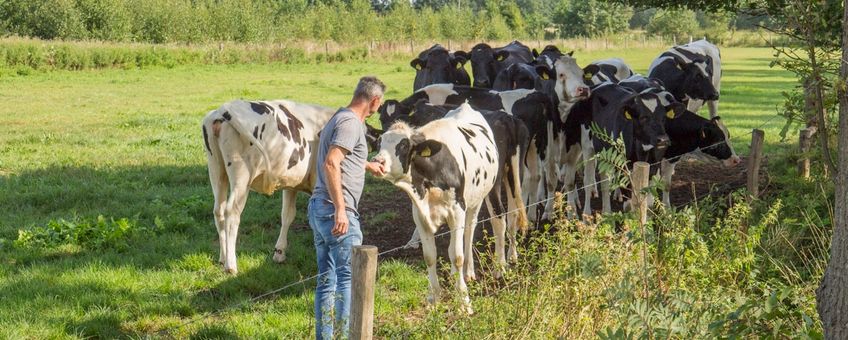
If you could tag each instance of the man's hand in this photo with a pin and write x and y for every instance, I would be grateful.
(376, 168)
(341, 224)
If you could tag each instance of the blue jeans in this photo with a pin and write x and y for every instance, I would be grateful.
(332, 295)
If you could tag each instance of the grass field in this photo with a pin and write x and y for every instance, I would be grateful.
(127, 144)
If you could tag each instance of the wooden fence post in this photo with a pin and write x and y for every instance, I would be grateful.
(411, 47)
(639, 181)
(364, 274)
(754, 159)
(804, 141)
(450, 45)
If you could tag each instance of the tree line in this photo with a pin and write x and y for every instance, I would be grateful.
(199, 21)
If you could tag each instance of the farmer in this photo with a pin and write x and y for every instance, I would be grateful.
(333, 216)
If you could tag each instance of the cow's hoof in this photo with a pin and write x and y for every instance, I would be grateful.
(279, 256)
(470, 277)
(231, 271)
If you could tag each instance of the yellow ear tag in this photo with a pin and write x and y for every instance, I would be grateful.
(418, 67)
(627, 115)
(426, 152)
(669, 114)
(545, 76)
(587, 76)
(501, 58)
(458, 66)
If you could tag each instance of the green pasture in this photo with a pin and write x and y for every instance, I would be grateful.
(127, 144)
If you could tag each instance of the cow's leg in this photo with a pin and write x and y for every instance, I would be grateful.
(515, 206)
(287, 214)
(220, 189)
(468, 243)
(530, 184)
(605, 194)
(458, 226)
(240, 178)
(667, 169)
(713, 106)
(589, 172)
(428, 247)
(551, 179)
(492, 205)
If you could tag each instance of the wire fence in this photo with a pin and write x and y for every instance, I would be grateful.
(167, 330)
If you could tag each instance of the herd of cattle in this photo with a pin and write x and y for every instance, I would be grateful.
(522, 129)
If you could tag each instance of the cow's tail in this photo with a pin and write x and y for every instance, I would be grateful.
(245, 132)
(210, 127)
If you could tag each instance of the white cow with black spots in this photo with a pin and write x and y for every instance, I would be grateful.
(440, 167)
(264, 146)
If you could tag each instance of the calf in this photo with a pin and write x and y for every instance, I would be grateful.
(263, 146)
(533, 108)
(436, 65)
(487, 62)
(688, 132)
(638, 118)
(511, 137)
(689, 73)
(447, 168)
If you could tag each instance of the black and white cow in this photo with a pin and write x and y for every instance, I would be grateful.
(638, 118)
(447, 168)
(532, 107)
(606, 70)
(565, 85)
(688, 132)
(511, 138)
(263, 146)
(437, 65)
(691, 73)
(487, 62)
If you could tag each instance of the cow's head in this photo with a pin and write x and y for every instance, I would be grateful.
(394, 152)
(697, 78)
(484, 64)
(437, 66)
(401, 146)
(517, 76)
(714, 140)
(391, 110)
(569, 86)
(648, 115)
(548, 56)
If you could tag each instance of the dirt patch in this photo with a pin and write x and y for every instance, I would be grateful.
(387, 221)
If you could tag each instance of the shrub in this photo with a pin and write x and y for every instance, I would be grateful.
(91, 234)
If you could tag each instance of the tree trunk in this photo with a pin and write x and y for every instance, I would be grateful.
(832, 294)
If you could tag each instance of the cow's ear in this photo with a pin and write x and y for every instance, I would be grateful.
(570, 54)
(417, 64)
(458, 62)
(501, 55)
(426, 148)
(545, 72)
(675, 110)
(535, 53)
(462, 54)
(589, 71)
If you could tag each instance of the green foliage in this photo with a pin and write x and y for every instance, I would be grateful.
(591, 18)
(677, 23)
(612, 161)
(92, 234)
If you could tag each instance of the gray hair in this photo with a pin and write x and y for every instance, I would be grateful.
(368, 88)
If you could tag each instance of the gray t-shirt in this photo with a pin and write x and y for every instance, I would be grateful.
(348, 132)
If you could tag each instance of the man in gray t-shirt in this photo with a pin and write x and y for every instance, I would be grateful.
(333, 215)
